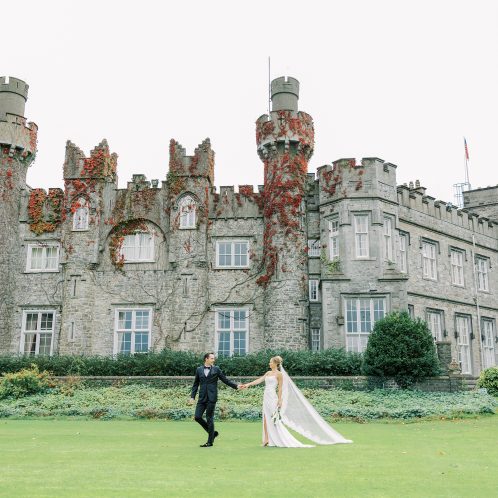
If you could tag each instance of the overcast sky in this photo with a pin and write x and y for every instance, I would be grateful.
(400, 80)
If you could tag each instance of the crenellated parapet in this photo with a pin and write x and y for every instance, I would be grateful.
(229, 204)
(100, 164)
(201, 164)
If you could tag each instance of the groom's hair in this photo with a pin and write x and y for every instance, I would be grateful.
(206, 356)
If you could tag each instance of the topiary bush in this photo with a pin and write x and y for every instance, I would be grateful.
(24, 383)
(489, 380)
(401, 348)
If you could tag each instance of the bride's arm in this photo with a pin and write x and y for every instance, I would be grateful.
(256, 382)
(280, 378)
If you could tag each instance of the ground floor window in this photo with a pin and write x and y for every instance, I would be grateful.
(488, 342)
(315, 339)
(361, 314)
(132, 331)
(232, 329)
(463, 329)
(435, 324)
(37, 332)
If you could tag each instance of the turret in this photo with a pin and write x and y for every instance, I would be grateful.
(285, 141)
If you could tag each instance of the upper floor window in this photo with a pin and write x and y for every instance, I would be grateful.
(361, 315)
(37, 332)
(43, 257)
(403, 252)
(314, 248)
(388, 238)
(232, 330)
(429, 260)
(361, 235)
(132, 332)
(333, 239)
(482, 269)
(457, 267)
(314, 292)
(232, 254)
(81, 214)
(138, 247)
(187, 209)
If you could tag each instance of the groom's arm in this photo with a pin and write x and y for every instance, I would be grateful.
(228, 382)
(196, 384)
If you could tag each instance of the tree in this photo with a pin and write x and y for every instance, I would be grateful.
(401, 348)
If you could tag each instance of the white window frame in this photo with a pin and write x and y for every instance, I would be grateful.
(314, 290)
(435, 322)
(316, 339)
(43, 246)
(488, 342)
(231, 330)
(429, 260)
(232, 253)
(457, 273)
(81, 213)
(403, 253)
(314, 248)
(187, 208)
(463, 328)
(333, 239)
(482, 273)
(356, 341)
(361, 236)
(133, 329)
(387, 237)
(38, 330)
(137, 235)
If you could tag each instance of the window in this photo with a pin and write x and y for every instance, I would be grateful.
(232, 254)
(435, 324)
(361, 315)
(37, 332)
(411, 310)
(232, 332)
(361, 235)
(314, 247)
(132, 331)
(138, 247)
(482, 274)
(315, 339)
(488, 342)
(457, 267)
(463, 343)
(429, 260)
(403, 252)
(314, 293)
(187, 208)
(333, 239)
(388, 238)
(43, 257)
(80, 216)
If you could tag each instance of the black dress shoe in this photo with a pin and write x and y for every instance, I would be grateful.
(206, 445)
(216, 434)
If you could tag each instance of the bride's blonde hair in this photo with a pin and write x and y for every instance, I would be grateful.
(277, 360)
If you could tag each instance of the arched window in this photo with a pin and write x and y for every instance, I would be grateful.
(80, 216)
(187, 208)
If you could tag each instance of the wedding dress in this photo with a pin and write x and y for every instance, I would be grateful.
(296, 413)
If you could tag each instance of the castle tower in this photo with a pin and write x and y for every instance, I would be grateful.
(17, 151)
(285, 141)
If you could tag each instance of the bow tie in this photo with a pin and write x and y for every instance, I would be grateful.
(209, 368)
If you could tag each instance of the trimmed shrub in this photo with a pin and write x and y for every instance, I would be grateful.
(24, 383)
(175, 363)
(489, 380)
(401, 348)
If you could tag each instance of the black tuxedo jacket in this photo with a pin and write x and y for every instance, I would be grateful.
(209, 385)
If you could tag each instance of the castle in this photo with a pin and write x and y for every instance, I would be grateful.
(301, 262)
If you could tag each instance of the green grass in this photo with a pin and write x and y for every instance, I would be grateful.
(119, 458)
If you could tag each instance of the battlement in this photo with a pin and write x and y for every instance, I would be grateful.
(13, 96)
(14, 85)
(200, 164)
(284, 94)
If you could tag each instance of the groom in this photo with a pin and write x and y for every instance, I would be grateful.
(207, 377)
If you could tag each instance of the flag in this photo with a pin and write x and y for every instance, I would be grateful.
(466, 149)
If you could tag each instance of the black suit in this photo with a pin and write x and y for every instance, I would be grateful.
(208, 396)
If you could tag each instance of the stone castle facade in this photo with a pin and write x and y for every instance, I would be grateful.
(301, 262)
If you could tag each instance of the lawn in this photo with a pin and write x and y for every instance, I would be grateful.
(140, 458)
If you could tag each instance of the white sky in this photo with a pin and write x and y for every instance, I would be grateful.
(396, 79)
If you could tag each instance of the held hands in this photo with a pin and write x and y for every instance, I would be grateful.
(242, 386)
(190, 401)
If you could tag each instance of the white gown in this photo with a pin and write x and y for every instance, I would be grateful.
(296, 413)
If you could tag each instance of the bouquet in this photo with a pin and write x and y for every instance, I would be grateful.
(276, 417)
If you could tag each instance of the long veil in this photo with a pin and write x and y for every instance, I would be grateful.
(298, 414)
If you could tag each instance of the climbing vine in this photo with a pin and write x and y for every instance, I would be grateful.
(118, 236)
(45, 211)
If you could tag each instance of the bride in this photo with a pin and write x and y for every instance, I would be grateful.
(285, 406)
